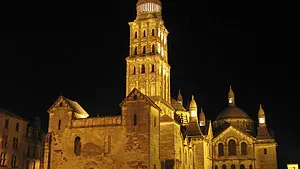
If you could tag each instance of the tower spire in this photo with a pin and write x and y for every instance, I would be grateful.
(261, 116)
(262, 132)
(231, 99)
(202, 118)
(179, 98)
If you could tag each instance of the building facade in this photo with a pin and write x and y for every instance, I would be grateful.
(154, 130)
(21, 142)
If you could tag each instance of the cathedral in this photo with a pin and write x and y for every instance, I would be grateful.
(154, 130)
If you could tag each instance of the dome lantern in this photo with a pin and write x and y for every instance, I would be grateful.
(193, 108)
(231, 99)
(148, 6)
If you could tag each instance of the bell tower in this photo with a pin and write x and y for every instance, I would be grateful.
(147, 65)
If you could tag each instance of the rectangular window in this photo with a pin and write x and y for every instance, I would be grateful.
(3, 159)
(4, 141)
(33, 167)
(14, 161)
(15, 143)
(154, 167)
(265, 151)
(154, 122)
(134, 120)
(28, 151)
(1, 154)
(17, 127)
(6, 123)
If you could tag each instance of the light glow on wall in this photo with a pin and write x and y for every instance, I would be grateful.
(261, 120)
(158, 47)
(193, 113)
(292, 166)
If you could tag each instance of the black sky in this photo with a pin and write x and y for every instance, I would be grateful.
(212, 44)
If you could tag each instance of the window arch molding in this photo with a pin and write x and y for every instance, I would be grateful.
(216, 146)
(77, 145)
(221, 149)
(232, 138)
(244, 147)
(232, 146)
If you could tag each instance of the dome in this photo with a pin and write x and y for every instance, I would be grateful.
(232, 112)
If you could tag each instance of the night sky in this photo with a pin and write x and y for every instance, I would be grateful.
(212, 45)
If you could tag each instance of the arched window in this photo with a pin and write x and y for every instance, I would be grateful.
(232, 166)
(77, 146)
(250, 166)
(144, 50)
(223, 166)
(144, 33)
(231, 148)
(216, 167)
(221, 149)
(134, 70)
(242, 166)
(59, 124)
(135, 51)
(134, 120)
(135, 35)
(185, 157)
(153, 32)
(107, 144)
(265, 151)
(244, 148)
(143, 69)
(153, 48)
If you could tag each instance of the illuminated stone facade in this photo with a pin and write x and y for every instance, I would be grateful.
(21, 143)
(154, 130)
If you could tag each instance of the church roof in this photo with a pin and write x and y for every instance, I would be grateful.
(134, 93)
(232, 112)
(226, 128)
(73, 104)
(263, 133)
(193, 129)
(76, 106)
(166, 118)
(177, 106)
(204, 129)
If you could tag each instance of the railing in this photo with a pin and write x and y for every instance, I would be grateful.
(97, 121)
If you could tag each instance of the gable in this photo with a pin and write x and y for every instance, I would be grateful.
(63, 102)
(136, 95)
(232, 132)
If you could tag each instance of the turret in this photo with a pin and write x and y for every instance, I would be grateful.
(179, 98)
(231, 99)
(262, 132)
(202, 118)
(261, 116)
(193, 109)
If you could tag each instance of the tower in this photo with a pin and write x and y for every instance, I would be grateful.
(265, 144)
(147, 64)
